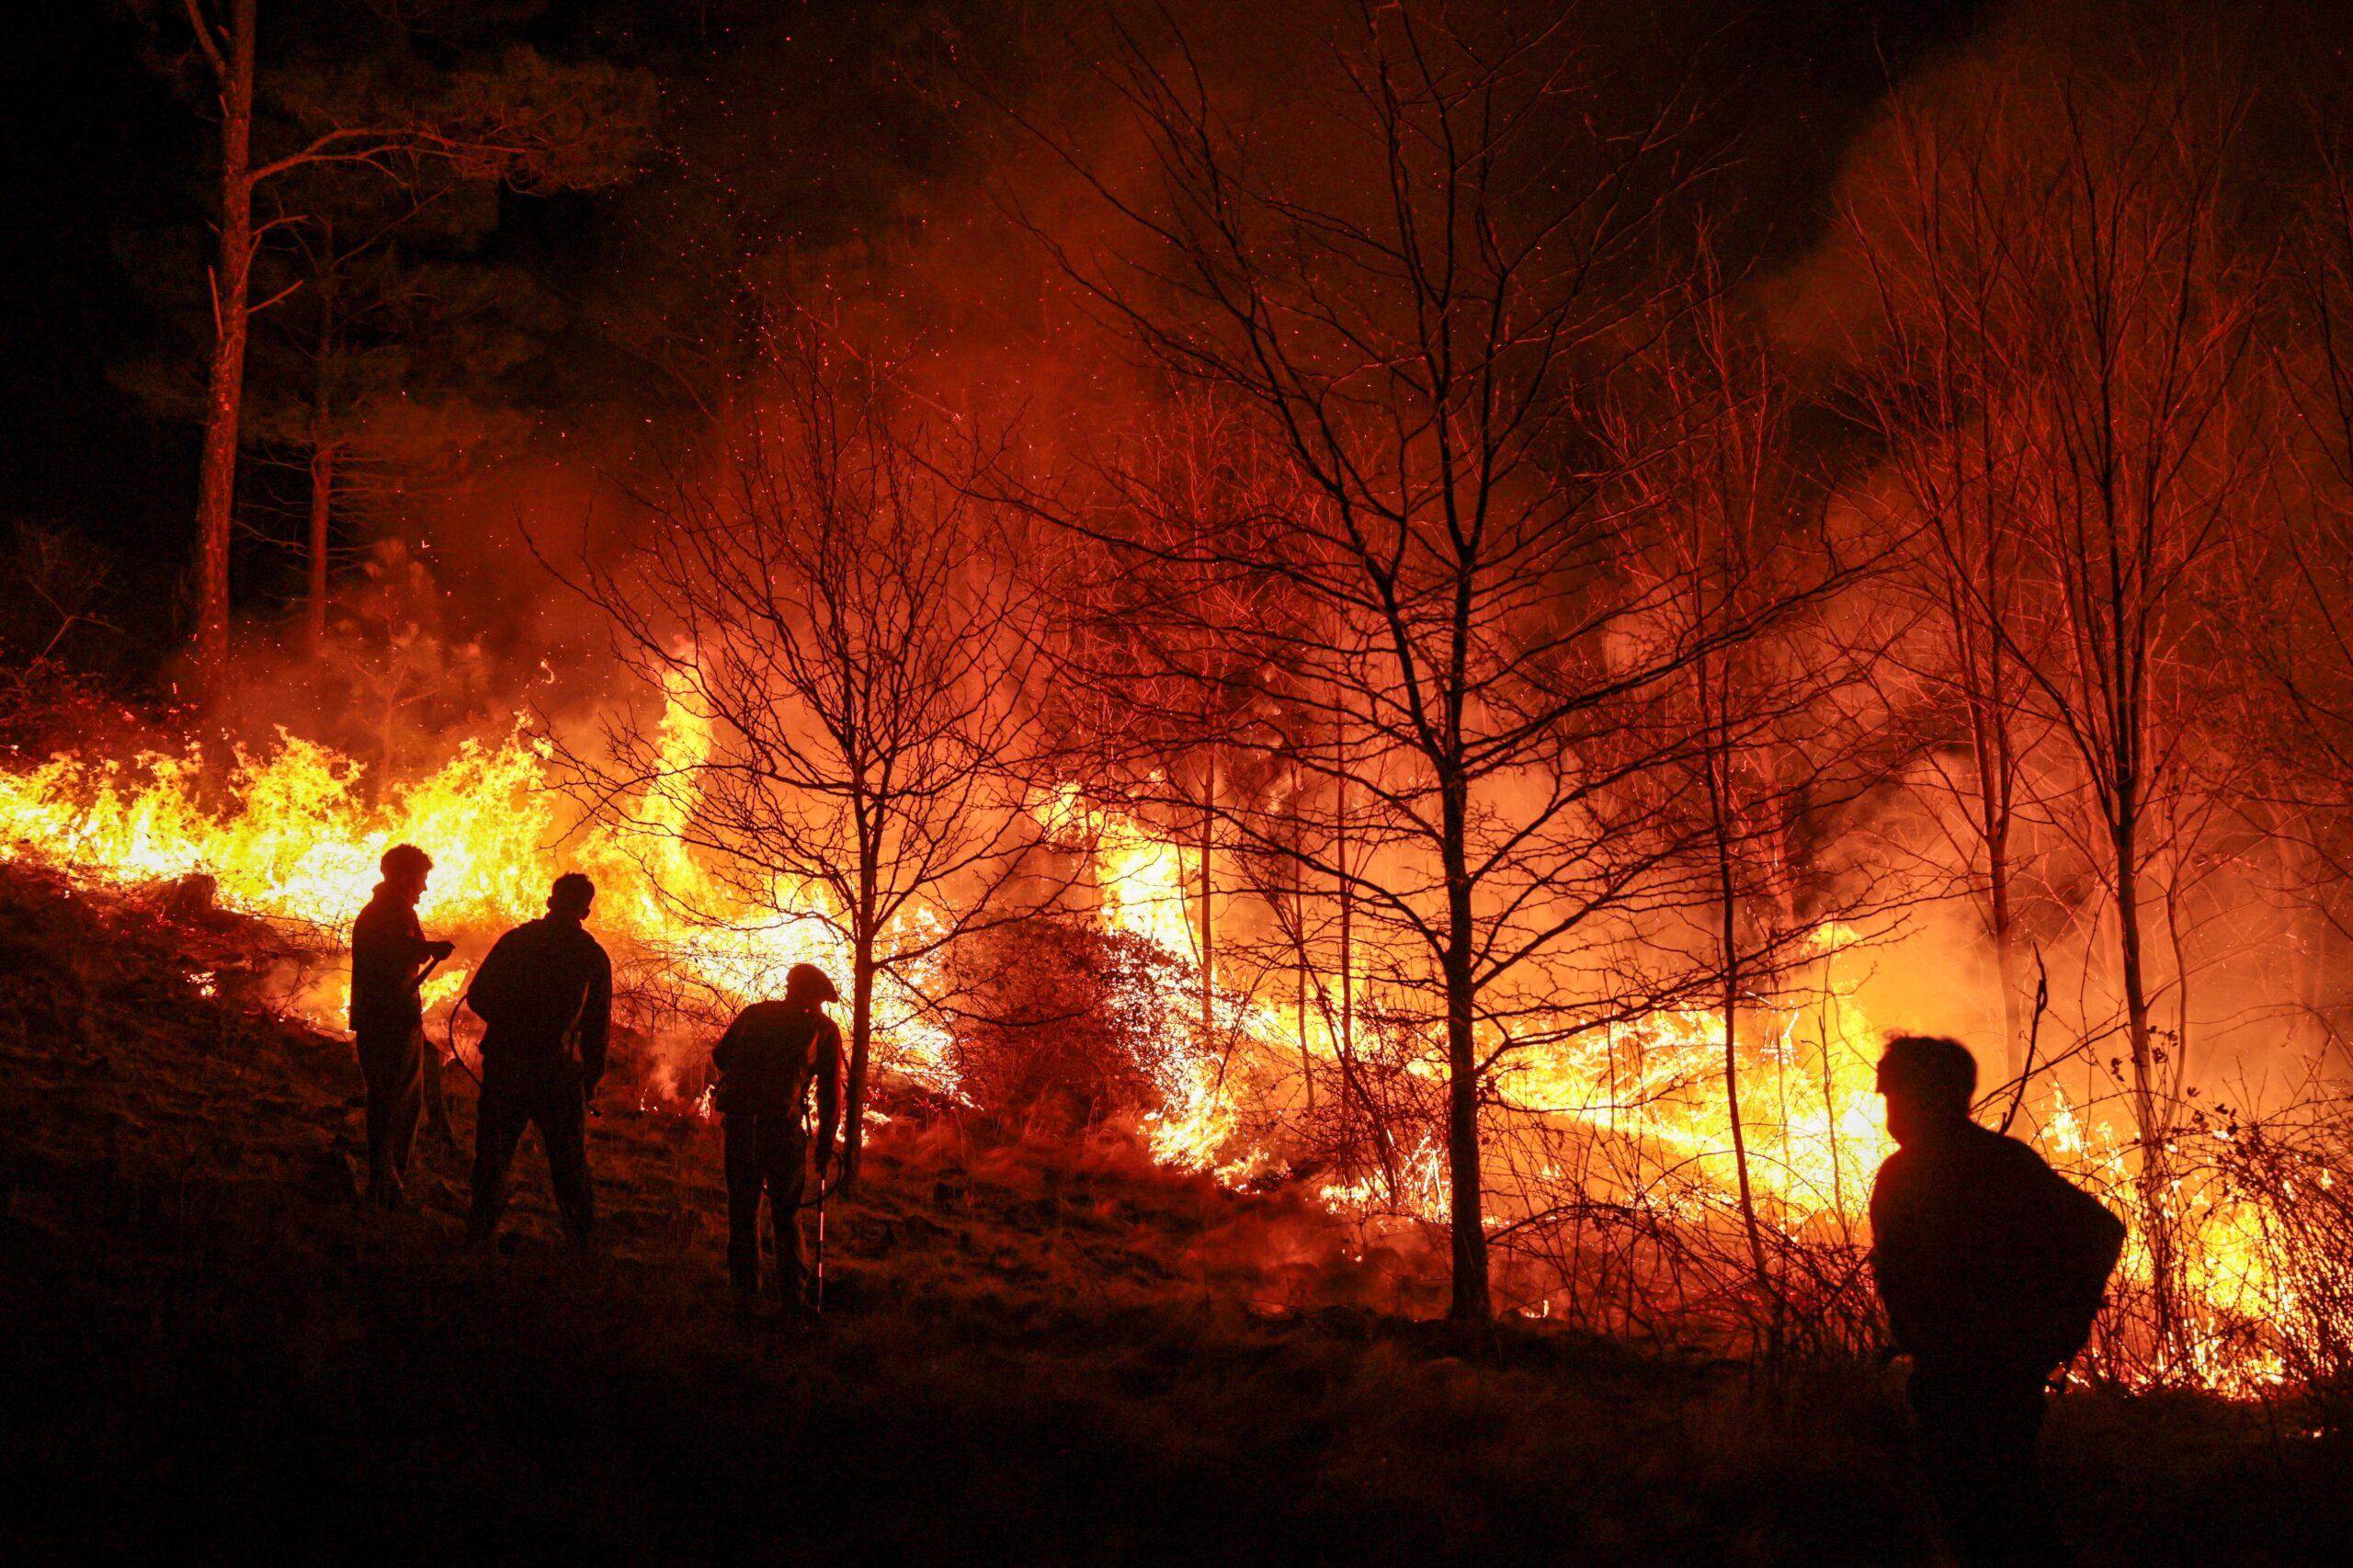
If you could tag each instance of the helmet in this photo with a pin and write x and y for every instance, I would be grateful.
(807, 982)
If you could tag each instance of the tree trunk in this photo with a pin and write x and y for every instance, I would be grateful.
(1347, 930)
(224, 392)
(1465, 1202)
(1209, 927)
(1989, 744)
(314, 607)
(322, 450)
(1299, 958)
(2152, 1127)
(861, 1037)
(1718, 808)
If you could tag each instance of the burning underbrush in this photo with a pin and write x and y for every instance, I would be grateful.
(1038, 1348)
(1614, 1187)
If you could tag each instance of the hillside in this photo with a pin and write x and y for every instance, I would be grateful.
(1034, 1353)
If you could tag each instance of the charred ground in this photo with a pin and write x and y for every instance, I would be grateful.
(1035, 1352)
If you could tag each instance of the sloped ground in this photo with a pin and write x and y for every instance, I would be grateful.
(1033, 1354)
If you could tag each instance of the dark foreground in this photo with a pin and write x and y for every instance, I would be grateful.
(1033, 1354)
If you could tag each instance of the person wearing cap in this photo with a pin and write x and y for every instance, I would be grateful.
(767, 1060)
(1991, 1267)
(545, 991)
(389, 956)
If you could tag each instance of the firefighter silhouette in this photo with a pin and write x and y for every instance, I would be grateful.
(1991, 1267)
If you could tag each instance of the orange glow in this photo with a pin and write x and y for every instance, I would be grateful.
(296, 839)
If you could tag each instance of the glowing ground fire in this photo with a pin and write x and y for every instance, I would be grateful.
(1635, 1113)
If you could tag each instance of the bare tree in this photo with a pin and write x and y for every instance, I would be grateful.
(526, 122)
(1426, 318)
(1770, 752)
(1941, 237)
(2111, 309)
(835, 605)
(2297, 586)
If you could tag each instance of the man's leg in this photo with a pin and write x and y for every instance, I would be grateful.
(499, 1117)
(784, 1160)
(1978, 1435)
(382, 1066)
(561, 1111)
(740, 1131)
(366, 1044)
(2025, 1527)
(437, 1103)
(407, 1047)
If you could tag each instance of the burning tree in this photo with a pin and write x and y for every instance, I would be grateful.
(1773, 756)
(2069, 380)
(835, 611)
(1427, 321)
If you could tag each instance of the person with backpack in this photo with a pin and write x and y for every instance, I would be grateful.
(1991, 1267)
(767, 1060)
(545, 992)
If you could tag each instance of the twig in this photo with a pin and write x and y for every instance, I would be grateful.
(2033, 1037)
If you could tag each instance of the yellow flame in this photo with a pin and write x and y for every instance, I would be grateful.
(294, 837)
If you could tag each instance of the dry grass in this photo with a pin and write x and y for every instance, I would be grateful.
(1038, 1352)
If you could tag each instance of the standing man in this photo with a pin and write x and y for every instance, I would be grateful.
(389, 956)
(546, 993)
(1991, 1268)
(766, 1059)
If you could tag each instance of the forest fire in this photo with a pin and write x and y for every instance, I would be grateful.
(1631, 1115)
(1411, 782)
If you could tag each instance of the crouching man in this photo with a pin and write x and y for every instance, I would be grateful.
(767, 1059)
(545, 992)
(1991, 1267)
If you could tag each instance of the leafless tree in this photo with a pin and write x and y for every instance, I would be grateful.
(1709, 459)
(2107, 309)
(832, 601)
(1425, 317)
(1941, 236)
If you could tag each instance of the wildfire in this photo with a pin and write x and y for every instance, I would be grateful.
(296, 833)
(296, 840)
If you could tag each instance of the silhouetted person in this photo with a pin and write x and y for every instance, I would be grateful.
(1991, 1266)
(767, 1060)
(546, 993)
(389, 955)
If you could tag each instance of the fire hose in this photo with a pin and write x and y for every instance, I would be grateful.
(450, 1030)
(450, 1039)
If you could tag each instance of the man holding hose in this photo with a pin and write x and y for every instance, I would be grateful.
(388, 957)
(546, 993)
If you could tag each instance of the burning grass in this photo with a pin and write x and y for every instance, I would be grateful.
(1610, 1180)
(1039, 1350)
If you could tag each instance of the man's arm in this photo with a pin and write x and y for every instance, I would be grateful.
(829, 1095)
(1895, 1256)
(483, 992)
(723, 1052)
(387, 944)
(596, 1015)
(2082, 1242)
(424, 952)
